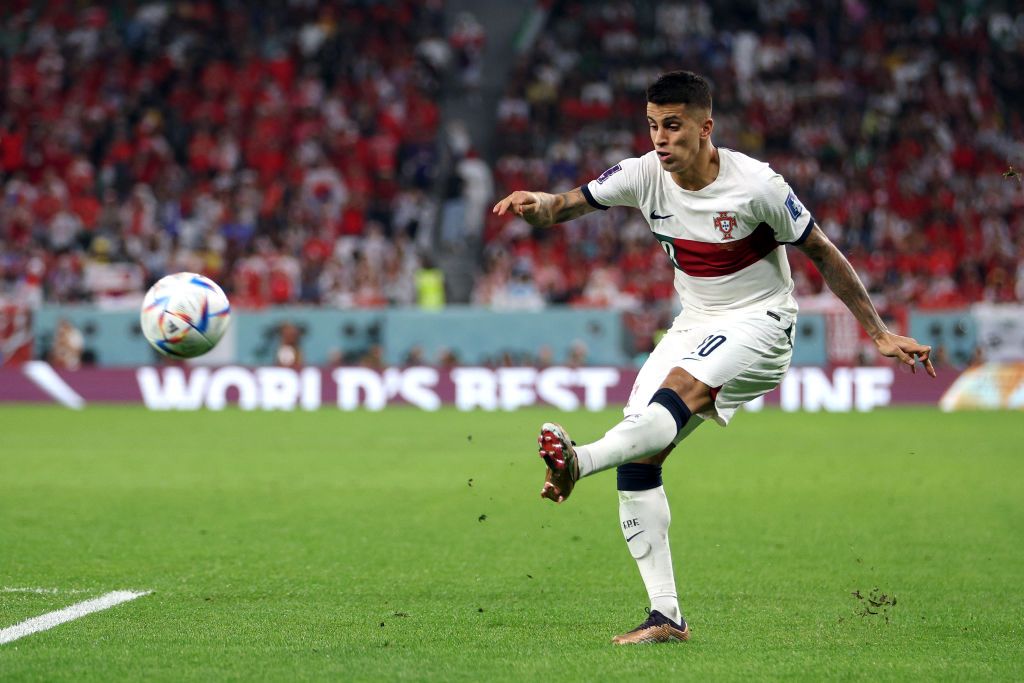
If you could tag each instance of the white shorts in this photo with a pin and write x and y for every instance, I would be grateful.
(743, 357)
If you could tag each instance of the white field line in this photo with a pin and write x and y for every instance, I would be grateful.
(79, 609)
(46, 378)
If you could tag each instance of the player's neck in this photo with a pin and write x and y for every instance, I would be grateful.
(702, 173)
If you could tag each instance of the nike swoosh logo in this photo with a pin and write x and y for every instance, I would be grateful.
(634, 536)
(656, 217)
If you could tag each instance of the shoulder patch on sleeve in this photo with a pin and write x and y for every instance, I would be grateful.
(609, 173)
(792, 203)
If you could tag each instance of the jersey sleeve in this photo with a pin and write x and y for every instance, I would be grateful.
(779, 207)
(618, 186)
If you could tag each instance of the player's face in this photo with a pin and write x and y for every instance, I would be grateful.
(677, 132)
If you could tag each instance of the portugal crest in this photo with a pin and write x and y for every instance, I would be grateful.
(725, 223)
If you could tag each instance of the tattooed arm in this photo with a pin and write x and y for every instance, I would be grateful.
(843, 281)
(541, 209)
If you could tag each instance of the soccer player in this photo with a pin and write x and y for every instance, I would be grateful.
(722, 218)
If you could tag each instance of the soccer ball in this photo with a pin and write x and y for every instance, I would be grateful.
(184, 315)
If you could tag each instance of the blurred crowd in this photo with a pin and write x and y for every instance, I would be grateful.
(291, 150)
(285, 149)
(899, 125)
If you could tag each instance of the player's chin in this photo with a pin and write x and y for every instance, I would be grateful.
(671, 164)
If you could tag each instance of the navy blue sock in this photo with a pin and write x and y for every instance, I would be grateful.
(636, 476)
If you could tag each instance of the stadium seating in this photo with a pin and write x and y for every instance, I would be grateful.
(286, 150)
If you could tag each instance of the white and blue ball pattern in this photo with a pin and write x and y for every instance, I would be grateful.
(184, 315)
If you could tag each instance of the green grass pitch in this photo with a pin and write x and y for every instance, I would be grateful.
(406, 545)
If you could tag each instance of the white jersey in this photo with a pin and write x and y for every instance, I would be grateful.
(724, 240)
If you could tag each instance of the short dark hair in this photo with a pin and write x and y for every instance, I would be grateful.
(680, 87)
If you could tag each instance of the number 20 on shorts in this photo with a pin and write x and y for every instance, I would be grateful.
(709, 344)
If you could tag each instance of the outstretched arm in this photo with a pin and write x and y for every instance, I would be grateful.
(843, 281)
(541, 209)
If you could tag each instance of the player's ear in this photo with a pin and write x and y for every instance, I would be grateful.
(706, 127)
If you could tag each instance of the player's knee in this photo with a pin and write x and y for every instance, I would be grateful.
(694, 393)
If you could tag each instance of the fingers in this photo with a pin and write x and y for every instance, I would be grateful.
(921, 352)
(926, 358)
(904, 357)
(507, 203)
(501, 207)
(908, 350)
(518, 202)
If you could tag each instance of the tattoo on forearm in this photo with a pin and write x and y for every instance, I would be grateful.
(842, 279)
(569, 205)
